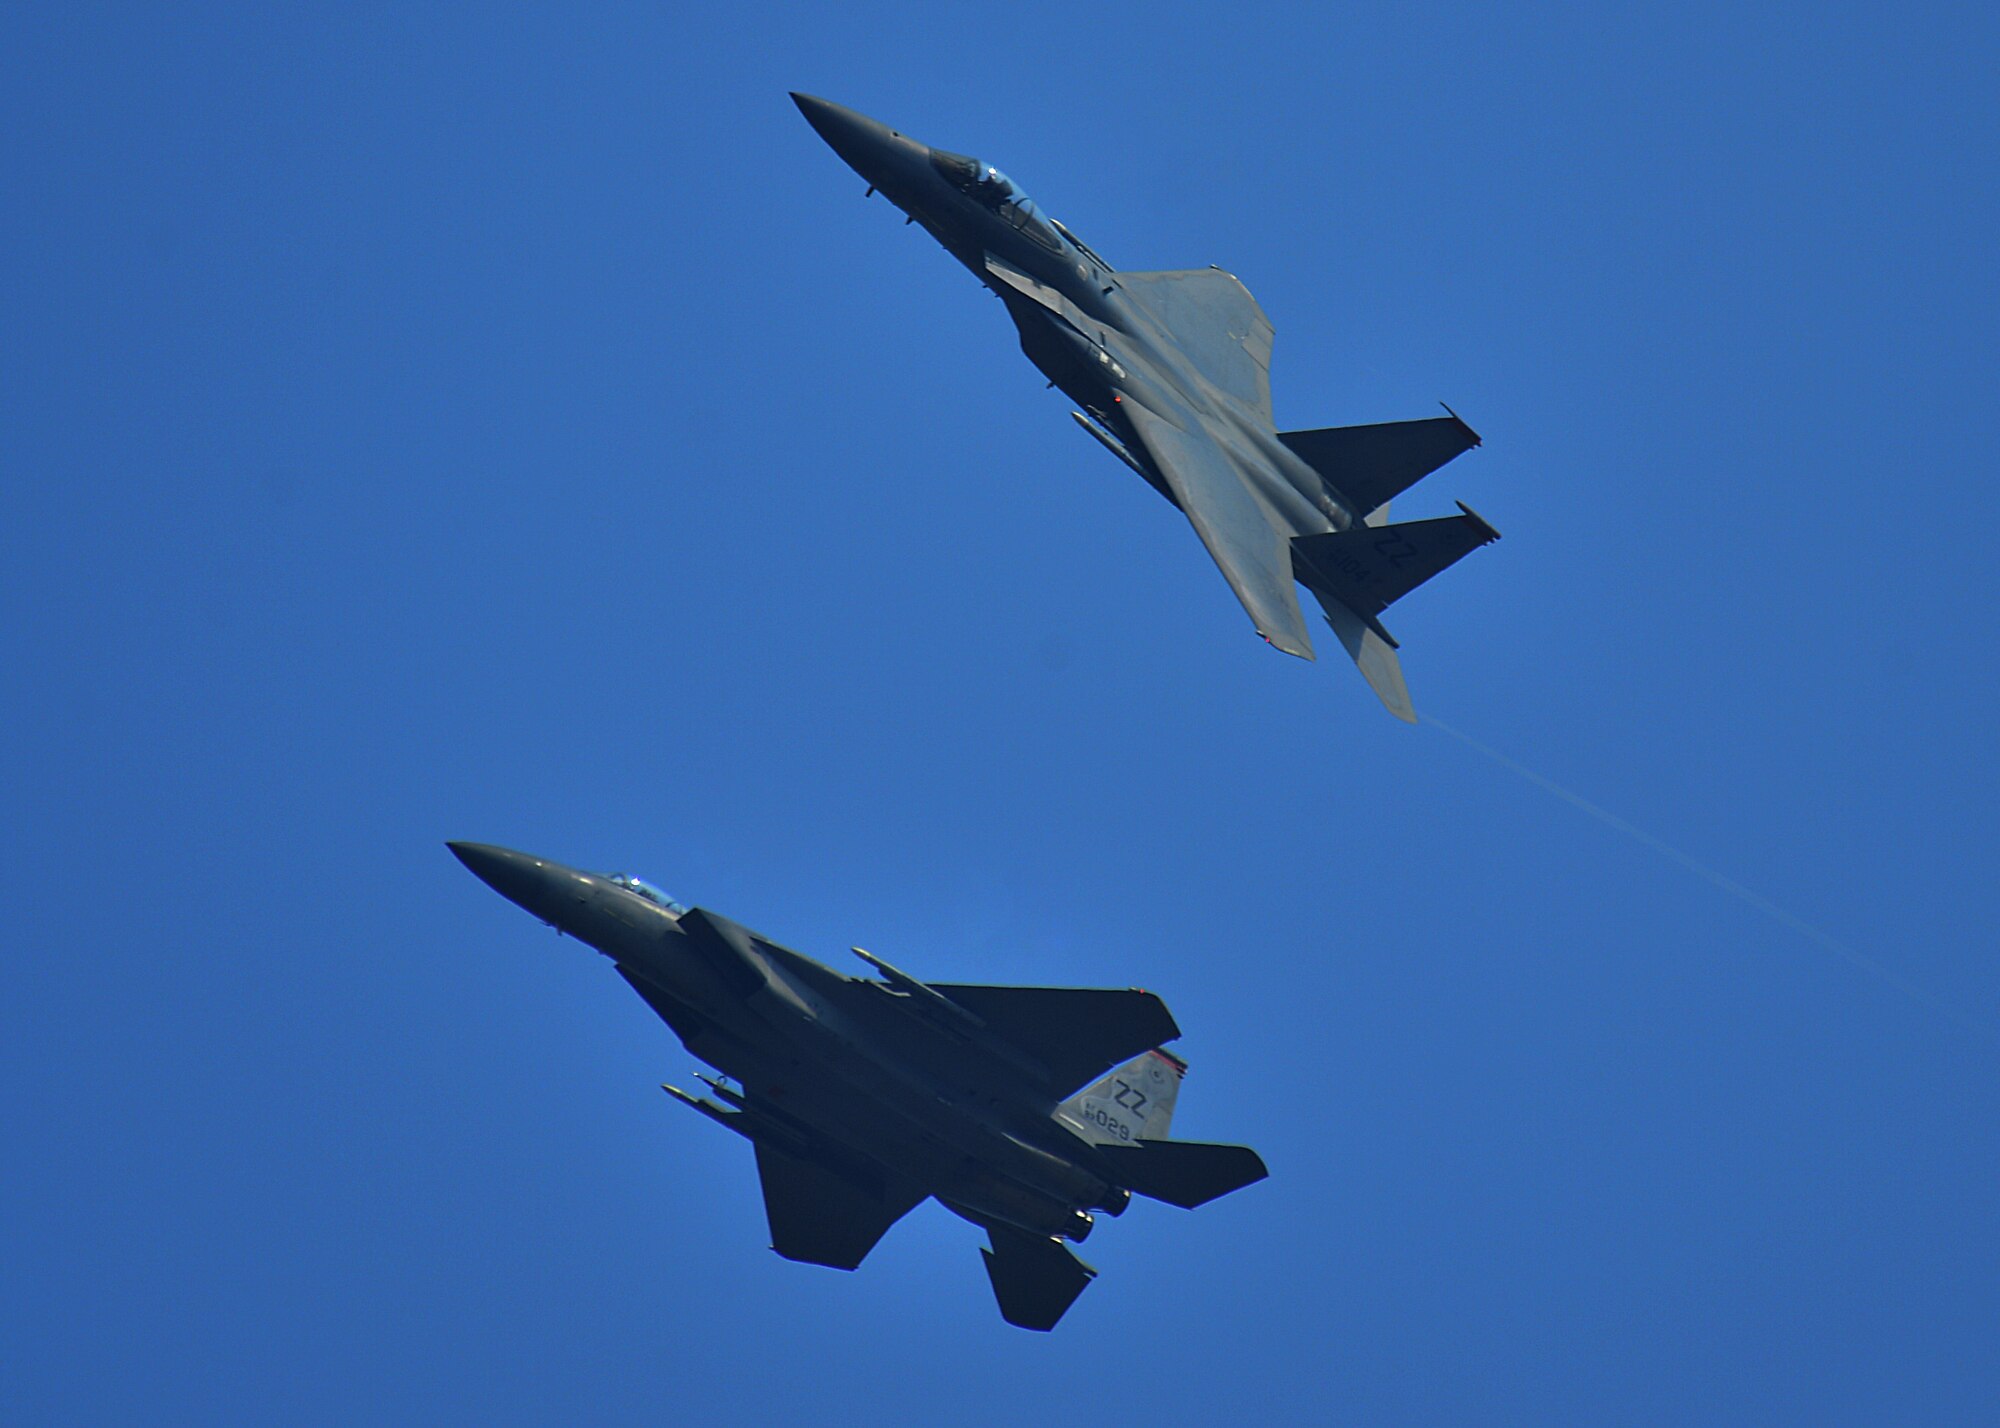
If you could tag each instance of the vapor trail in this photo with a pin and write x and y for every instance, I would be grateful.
(1713, 878)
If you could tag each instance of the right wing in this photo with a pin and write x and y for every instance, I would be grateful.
(1217, 324)
(686, 1025)
(1078, 1033)
(819, 1216)
(1252, 555)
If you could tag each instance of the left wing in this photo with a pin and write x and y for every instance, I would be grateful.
(1223, 331)
(1254, 558)
(686, 1025)
(819, 1216)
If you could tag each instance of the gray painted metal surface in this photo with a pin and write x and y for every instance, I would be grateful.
(1172, 372)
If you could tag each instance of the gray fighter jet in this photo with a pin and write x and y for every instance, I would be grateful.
(1022, 1109)
(1172, 370)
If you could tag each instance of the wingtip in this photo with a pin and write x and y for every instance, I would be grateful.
(1484, 527)
(1476, 439)
(1393, 692)
(1291, 645)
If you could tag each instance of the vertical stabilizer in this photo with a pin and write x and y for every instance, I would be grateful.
(1133, 1103)
(1373, 656)
(1035, 1279)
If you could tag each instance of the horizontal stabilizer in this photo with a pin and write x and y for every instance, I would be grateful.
(1035, 1279)
(1078, 1033)
(1369, 568)
(1186, 1173)
(1366, 465)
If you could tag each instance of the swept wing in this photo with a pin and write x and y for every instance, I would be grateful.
(1253, 556)
(1078, 1033)
(1216, 322)
(819, 1216)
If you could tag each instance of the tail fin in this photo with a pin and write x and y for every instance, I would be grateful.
(1035, 1279)
(1126, 1116)
(1366, 465)
(1369, 568)
(1186, 1173)
(1357, 573)
(1134, 1102)
(1373, 655)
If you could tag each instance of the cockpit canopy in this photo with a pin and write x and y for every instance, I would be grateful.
(991, 189)
(647, 891)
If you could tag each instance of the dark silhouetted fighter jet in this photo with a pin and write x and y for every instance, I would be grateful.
(1021, 1109)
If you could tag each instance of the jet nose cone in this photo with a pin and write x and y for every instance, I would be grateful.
(522, 880)
(871, 149)
(486, 861)
(820, 113)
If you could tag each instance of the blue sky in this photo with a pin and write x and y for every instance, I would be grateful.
(511, 424)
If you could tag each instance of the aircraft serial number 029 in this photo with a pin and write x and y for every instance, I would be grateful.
(1130, 1097)
(1104, 1120)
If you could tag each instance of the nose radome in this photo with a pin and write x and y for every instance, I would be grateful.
(488, 861)
(871, 148)
(524, 881)
(823, 114)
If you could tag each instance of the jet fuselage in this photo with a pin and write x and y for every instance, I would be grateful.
(1107, 350)
(1173, 371)
(839, 1066)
